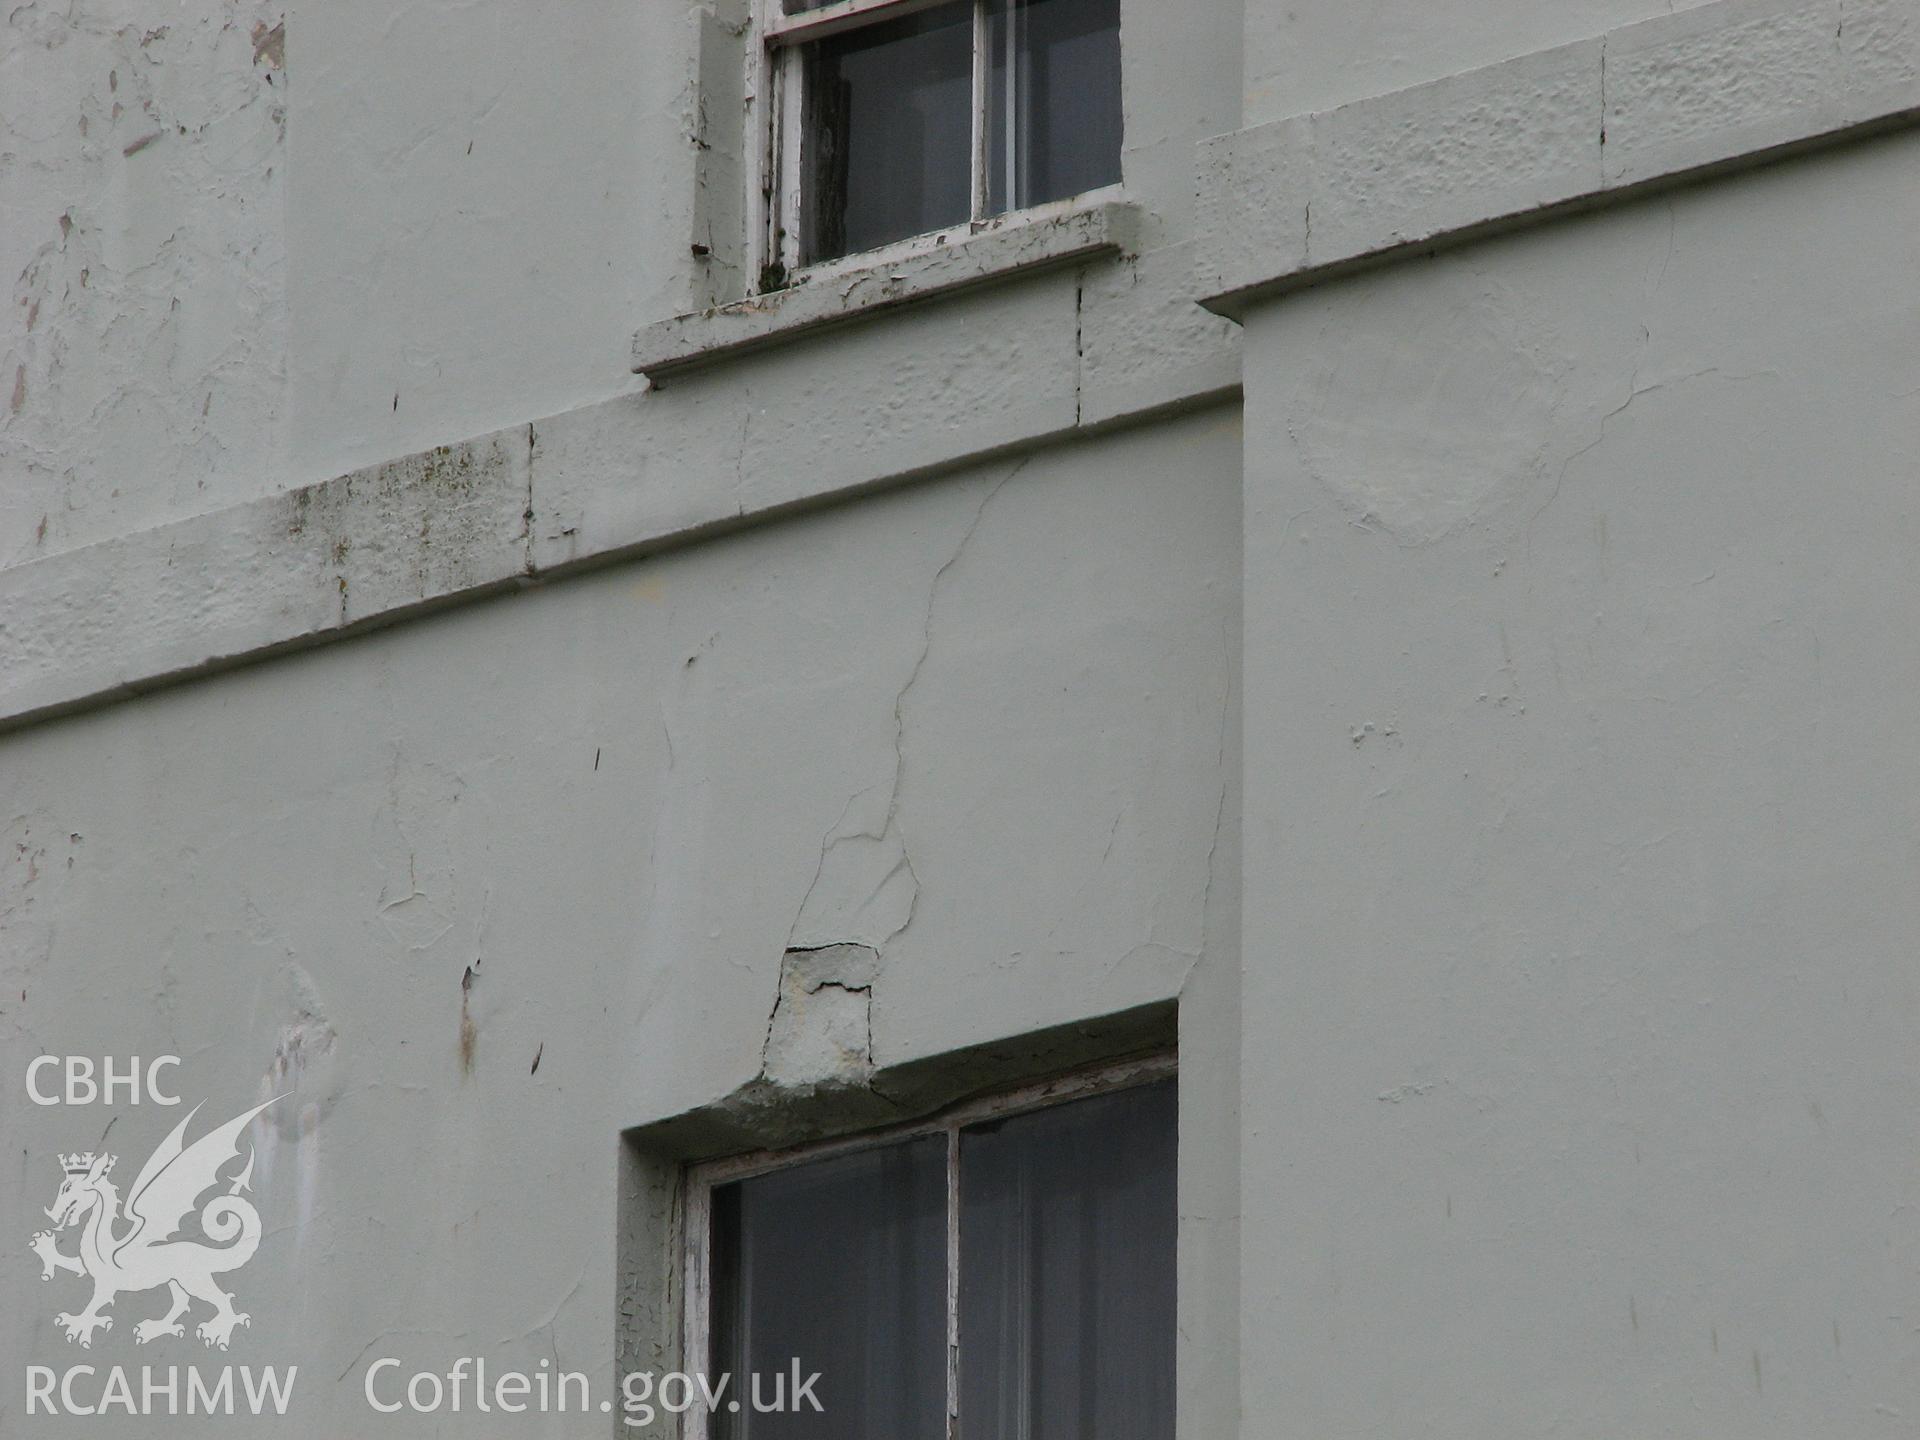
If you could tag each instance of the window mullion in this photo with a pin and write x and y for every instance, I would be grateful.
(790, 145)
(953, 1281)
(1015, 133)
(696, 1296)
(982, 61)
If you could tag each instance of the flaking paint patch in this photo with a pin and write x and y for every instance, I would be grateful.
(270, 45)
(37, 857)
(1406, 447)
(155, 275)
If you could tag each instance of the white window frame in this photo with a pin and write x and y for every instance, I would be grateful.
(697, 1232)
(775, 89)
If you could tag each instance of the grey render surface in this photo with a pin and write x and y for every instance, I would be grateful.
(1426, 617)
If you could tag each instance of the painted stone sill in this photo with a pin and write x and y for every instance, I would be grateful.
(846, 291)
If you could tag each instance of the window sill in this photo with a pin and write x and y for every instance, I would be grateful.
(863, 285)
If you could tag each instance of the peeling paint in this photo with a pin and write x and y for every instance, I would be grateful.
(270, 45)
(151, 331)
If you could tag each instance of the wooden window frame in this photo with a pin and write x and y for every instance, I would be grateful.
(775, 89)
(701, 1178)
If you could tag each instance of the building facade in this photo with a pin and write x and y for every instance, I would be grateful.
(522, 641)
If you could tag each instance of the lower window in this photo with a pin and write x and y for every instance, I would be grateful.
(1003, 1273)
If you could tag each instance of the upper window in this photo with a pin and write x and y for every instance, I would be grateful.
(892, 118)
(1003, 1273)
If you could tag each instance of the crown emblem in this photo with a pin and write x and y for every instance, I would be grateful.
(78, 1164)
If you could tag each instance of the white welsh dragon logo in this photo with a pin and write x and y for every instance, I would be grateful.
(145, 1255)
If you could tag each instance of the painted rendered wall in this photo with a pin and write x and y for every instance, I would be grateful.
(350, 231)
(481, 201)
(143, 339)
(485, 207)
(938, 722)
(1573, 1079)
(1317, 54)
(1580, 796)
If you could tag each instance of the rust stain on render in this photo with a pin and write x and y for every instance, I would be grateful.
(469, 1036)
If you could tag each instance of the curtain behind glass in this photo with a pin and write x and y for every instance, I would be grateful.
(1067, 1271)
(1053, 100)
(841, 1265)
(889, 128)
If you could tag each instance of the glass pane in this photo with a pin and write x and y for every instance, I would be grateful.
(1067, 1271)
(841, 1267)
(1053, 106)
(889, 129)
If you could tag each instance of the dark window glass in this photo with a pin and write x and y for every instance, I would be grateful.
(1053, 108)
(839, 1265)
(889, 132)
(1067, 1271)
